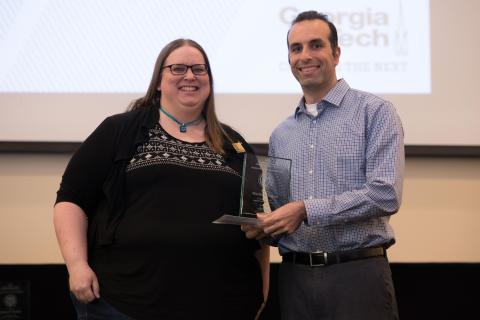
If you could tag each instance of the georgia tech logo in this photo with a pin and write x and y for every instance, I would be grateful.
(360, 27)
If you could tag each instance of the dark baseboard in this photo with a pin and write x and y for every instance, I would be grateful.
(48, 290)
(424, 290)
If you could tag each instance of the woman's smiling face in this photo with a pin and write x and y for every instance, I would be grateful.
(188, 90)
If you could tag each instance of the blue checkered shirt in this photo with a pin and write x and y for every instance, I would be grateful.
(347, 167)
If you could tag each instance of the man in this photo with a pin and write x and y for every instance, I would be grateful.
(347, 157)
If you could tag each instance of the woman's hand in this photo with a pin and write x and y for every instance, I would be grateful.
(83, 283)
(257, 316)
(71, 224)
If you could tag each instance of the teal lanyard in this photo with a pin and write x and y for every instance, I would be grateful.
(183, 125)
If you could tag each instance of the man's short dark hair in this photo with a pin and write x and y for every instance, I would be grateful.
(314, 15)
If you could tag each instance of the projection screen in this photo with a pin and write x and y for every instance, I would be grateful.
(65, 65)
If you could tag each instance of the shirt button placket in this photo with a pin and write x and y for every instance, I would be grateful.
(311, 159)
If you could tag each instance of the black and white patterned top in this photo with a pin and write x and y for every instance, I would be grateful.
(162, 148)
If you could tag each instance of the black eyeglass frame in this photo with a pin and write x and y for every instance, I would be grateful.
(191, 67)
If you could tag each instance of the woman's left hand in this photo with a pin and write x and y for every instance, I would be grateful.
(257, 316)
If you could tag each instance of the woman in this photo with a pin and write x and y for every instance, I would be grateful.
(134, 209)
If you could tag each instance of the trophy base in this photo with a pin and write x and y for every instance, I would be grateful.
(237, 220)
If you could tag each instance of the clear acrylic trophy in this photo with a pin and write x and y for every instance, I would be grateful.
(265, 187)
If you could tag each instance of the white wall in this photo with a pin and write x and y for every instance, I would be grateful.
(438, 221)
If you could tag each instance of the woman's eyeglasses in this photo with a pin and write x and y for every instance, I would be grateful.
(181, 69)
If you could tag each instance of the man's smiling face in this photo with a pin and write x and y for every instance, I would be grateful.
(312, 59)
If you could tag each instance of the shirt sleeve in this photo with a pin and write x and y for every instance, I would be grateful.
(381, 194)
(88, 168)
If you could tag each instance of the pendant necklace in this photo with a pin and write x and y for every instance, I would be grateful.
(183, 125)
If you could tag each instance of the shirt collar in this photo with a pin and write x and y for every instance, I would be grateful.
(334, 97)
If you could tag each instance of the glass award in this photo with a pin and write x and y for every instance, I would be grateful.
(265, 187)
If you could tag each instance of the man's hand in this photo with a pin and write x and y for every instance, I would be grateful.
(254, 231)
(284, 220)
